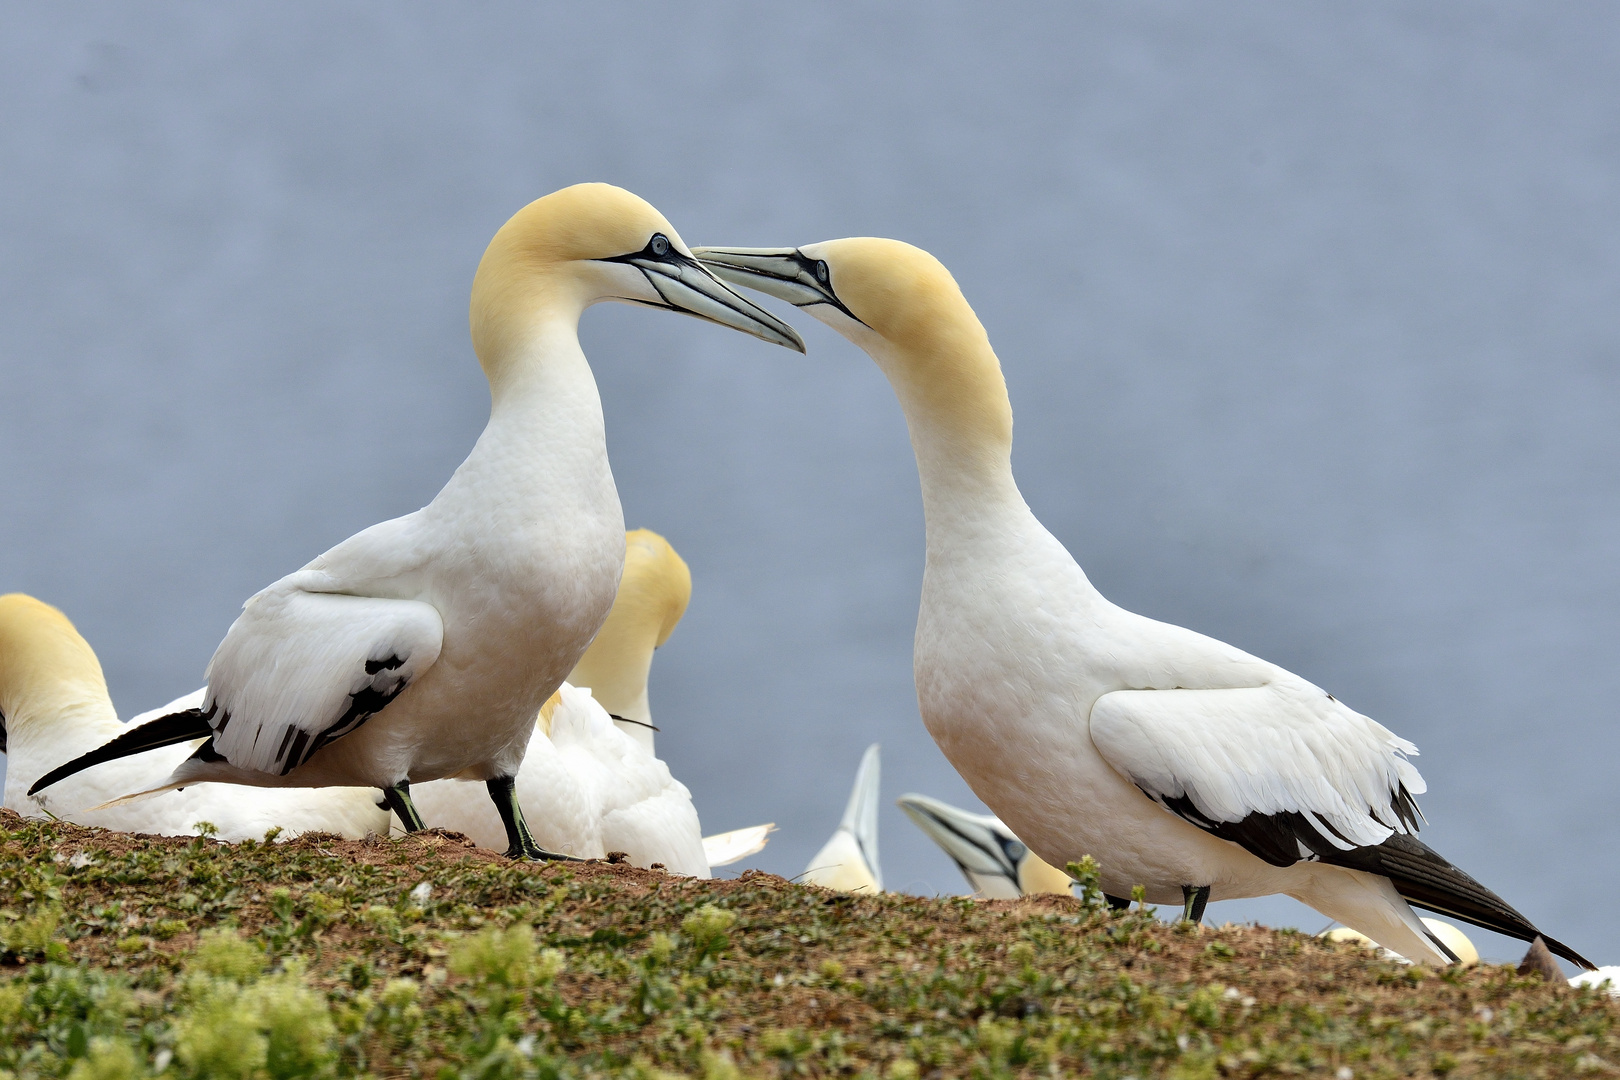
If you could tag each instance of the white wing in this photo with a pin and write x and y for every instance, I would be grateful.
(299, 669)
(1283, 769)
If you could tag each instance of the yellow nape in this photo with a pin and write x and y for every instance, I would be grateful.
(537, 254)
(653, 594)
(938, 357)
(44, 663)
(1036, 876)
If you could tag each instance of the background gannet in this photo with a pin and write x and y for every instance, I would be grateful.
(1606, 978)
(848, 861)
(54, 706)
(424, 646)
(1179, 762)
(1454, 939)
(996, 863)
(587, 788)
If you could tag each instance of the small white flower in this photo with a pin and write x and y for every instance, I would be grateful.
(1182, 1042)
(525, 1046)
(1231, 994)
(1485, 1013)
(161, 1059)
(1344, 1073)
(1247, 1002)
(421, 894)
(80, 860)
(779, 981)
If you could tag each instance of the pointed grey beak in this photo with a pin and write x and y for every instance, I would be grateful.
(687, 287)
(785, 273)
(979, 845)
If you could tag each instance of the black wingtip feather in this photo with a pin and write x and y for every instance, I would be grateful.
(1426, 880)
(164, 731)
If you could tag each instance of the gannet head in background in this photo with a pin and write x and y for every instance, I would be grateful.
(1453, 938)
(848, 862)
(48, 674)
(583, 245)
(996, 863)
(653, 594)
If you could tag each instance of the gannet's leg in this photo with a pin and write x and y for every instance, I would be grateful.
(1194, 898)
(520, 845)
(1116, 903)
(398, 799)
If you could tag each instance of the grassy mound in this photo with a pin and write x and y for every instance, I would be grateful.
(124, 957)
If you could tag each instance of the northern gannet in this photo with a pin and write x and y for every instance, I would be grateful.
(1606, 978)
(54, 706)
(848, 861)
(996, 863)
(1178, 762)
(424, 646)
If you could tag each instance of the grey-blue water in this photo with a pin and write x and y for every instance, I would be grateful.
(1309, 314)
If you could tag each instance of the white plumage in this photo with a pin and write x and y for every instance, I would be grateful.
(586, 788)
(1180, 763)
(54, 704)
(424, 646)
(995, 862)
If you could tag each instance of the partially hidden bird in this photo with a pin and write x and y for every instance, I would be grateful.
(848, 861)
(424, 646)
(996, 863)
(590, 783)
(1180, 763)
(54, 706)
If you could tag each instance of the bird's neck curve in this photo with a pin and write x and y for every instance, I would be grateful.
(954, 398)
(616, 667)
(52, 720)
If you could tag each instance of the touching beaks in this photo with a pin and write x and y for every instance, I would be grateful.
(685, 286)
(785, 273)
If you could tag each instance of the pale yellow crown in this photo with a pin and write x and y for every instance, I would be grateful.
(43, 659)
(531, 253)
(938, 354)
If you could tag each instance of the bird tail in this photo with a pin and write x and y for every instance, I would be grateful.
(167, 730)
(1426, 879)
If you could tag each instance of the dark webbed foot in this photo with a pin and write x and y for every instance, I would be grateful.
(1117, 903)
(520, 844)
(1193, 900)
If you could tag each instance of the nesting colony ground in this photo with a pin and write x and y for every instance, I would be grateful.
(127, 957)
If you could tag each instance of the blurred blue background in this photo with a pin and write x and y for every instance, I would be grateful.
(1308, 313)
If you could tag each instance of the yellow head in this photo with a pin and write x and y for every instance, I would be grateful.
(653, 594)
(903, 307)
(45, 665)
(589, 243)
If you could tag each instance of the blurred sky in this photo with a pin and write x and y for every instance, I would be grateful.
(1308, 313)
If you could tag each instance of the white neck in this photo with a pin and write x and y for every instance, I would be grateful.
(56, 723)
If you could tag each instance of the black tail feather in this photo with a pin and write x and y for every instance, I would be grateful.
(164, 731)
(1427, 880)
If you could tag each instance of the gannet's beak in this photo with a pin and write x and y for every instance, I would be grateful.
(685, 286)
(785, 273)
(976, 848)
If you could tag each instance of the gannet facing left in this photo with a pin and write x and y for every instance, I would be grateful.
(996, 863)
(848, 861)
(1178, 762)
(54, 706)
(424, 646)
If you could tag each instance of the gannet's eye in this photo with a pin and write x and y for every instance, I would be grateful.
(659, 245)
(821, 271)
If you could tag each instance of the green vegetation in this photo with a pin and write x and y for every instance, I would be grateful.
(130, 957)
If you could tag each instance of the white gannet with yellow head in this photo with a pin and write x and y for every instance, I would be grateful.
(848, 861)
(590, 783)
(1180, 763)
(54, 707)
(1453, 938)
(423, 647)
(996, 863)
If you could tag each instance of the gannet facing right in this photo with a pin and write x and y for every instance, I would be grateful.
(1178, 762)
(54, 706)
(848, 861)
(424, 646)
